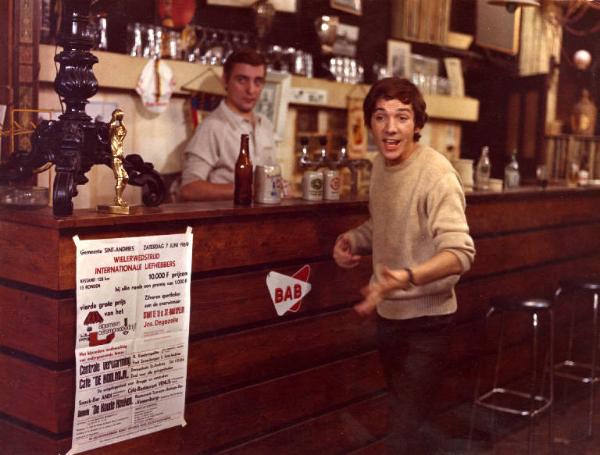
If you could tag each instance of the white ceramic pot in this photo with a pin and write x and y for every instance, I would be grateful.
(464, 167)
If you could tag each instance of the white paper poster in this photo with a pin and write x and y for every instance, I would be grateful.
(133, 313)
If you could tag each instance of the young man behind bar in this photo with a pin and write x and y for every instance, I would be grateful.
(420, 244)
(210, 156)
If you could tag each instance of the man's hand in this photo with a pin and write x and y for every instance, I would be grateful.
(387, 280)
(342, 253)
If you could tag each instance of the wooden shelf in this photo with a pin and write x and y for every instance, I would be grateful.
(120, 71)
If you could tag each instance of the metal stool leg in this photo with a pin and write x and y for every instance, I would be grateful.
(593, 368)
(551, 379)
(569, 354)
(497, 374)
(534, 349)
(477, 387)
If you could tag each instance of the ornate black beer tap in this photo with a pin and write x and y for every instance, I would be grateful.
(74, 143)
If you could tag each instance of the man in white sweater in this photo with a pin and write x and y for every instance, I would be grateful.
(419, 239)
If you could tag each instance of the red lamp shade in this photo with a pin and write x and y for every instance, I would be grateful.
(176, 13)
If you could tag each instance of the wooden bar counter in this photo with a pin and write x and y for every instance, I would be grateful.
(259, 383)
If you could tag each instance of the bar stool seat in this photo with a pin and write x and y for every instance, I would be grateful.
(512, 303)
(527, 403)
(579, 284)
(583, 372)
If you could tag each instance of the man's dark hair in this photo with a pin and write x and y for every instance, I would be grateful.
(246, 55)
(397, 88)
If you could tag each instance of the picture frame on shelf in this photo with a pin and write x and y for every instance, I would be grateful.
(453, 67)
(497, 28)
(427, 66)
(274, 99)
(356, 130)
(349, 6)
(398, 58)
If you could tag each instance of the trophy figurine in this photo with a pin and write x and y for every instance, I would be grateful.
(117, 133)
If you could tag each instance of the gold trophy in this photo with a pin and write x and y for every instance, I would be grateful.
(117, 133)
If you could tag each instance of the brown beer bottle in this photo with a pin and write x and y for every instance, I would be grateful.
(242, 193)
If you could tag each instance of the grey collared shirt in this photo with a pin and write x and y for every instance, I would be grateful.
(213, 150)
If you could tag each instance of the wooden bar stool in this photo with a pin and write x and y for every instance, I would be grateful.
(586, 373)
(530, 403)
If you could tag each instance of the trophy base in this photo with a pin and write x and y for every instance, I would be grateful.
(114, 209)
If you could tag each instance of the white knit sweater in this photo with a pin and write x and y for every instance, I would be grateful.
(417, 210)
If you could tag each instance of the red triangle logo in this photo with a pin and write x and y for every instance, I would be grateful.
(301, 275)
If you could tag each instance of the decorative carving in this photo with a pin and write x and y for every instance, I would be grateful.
(74, 143)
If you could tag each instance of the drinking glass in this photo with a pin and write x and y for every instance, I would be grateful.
(134, 39)
(541, 175)
(572, 173)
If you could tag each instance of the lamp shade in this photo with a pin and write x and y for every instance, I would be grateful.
(512, 5)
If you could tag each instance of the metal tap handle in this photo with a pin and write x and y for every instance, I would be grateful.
(323, 144)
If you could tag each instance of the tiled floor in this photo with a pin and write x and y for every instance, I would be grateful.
(569, 427)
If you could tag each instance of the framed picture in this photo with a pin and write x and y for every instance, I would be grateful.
(356, 131)
(273, 101)
(346, 39)
(349, 6)
(424, 65)
(497, 29)
(398, 59)
(286, 6)
(455, 76)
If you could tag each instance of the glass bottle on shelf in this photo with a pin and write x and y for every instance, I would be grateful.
(541, 175)
(483, 170)
(242, 194)
(512, 178)
(583, 115)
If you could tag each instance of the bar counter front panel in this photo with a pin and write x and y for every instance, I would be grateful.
(259, 383)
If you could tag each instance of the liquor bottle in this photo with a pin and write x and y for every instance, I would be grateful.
(483, 170)
(512, 177)
(242, 193)
(46, 22)
(583, 115)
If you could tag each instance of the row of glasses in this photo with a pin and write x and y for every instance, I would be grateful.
(151, 41)
(346, 69)
(213, 46)
(208, 46)
(289, 60)
(432, 85)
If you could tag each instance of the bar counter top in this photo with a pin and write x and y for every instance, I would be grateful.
(217, 209)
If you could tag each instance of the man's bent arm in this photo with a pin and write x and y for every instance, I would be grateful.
(201, 190)
(441, 265)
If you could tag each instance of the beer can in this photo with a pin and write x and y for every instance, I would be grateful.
(267, 184)
(312, 186)
(332, 183)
